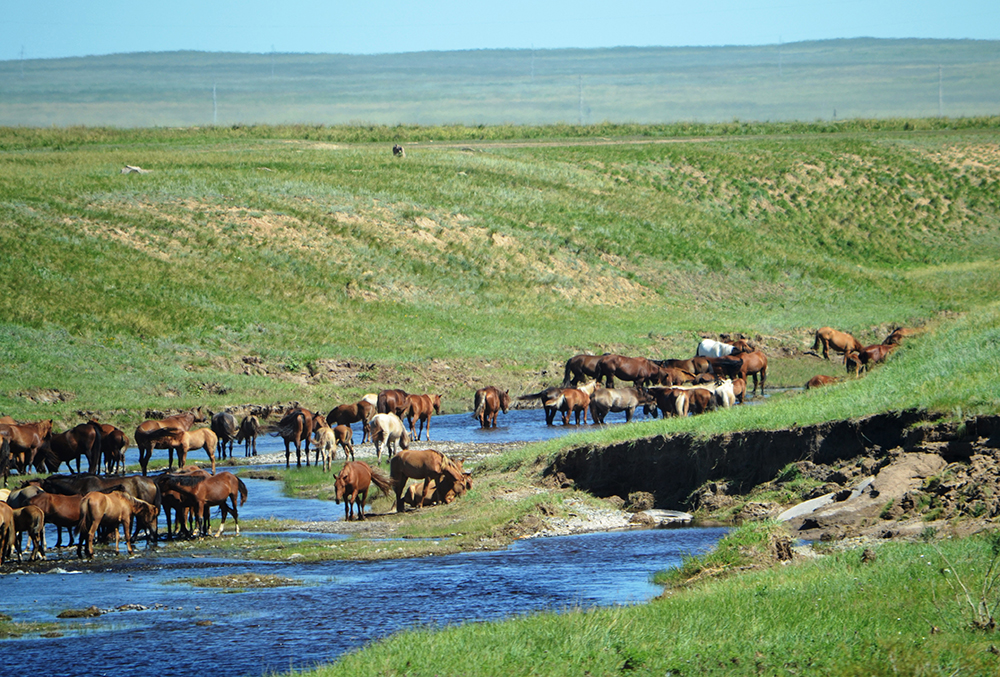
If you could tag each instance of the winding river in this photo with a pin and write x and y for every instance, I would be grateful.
(337, 606)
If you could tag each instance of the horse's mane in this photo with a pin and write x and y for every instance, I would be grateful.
(186, 480)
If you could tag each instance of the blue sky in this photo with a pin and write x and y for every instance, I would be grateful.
(38, 29)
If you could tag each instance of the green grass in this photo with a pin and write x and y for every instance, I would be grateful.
(903, 612)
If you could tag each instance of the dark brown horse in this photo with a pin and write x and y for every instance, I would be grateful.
(61, 511)
(638, 370)
(422, 407)
(114, 442)
(352, 486)
(580, 368)
(346, 414)
(145, 441)
(295, 428)
(897, 335)
(25, 440)
(224, 426)
(143, 488)
(84, 441)
(545, 396)
(393, 402)
(248, 432)
(488, 403)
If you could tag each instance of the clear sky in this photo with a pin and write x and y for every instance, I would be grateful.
(39, 29)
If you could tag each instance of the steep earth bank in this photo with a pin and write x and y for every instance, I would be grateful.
(893, 474)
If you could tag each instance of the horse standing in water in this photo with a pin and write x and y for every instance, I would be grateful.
(296, 427)
(421, 408)
(84, 440)
(346, 414)
(488, 403)
(145, 440)
(224, 427)
(248, 432)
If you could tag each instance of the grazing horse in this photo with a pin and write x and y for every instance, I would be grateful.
(112, 509)
(607, 400)
(137, 486)
(897, 336)
(25, 439)
(346, 414)
(638, 370)
(30, 518)
(488, 403)
(387, 429)
(673, 376)
(200, 491)
(692, 365)
(868, 357)
(84, 440)
(248, 432)
(114, 442)
(422, 407)
(819, 381)
(427, 465)
(224, 426)
(840, 341)
(352, 486)
(580, 368)
(393, 402)
(183, 441)
(711, 348)
(143, 434)
(295, 427)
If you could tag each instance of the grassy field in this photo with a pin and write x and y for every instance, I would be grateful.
(276, 264)
(827, 80)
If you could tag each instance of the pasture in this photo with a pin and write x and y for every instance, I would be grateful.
(290, 264)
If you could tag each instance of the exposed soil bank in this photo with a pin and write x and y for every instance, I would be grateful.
(906, 449)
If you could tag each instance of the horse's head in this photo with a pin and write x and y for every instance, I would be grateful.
(404, 439)
(505, 400)
(436, 399)
(198, 415)
(340, 486)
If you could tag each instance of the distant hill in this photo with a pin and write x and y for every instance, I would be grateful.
(859, 78)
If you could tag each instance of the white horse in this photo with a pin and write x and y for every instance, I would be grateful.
(387, 429)
(710, 348)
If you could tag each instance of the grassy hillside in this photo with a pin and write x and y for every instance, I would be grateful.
(261, 264)
(835, 79)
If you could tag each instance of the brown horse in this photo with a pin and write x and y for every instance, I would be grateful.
(545, 396)
(897, 336)
(295, 427)
(114, 442)
(25, 439)
(224, 426)
(200, 491)
(674, 376)
(840, 341)
(137, 486)
(248, 432)
(819, 381)
(427, 465)
(693, 365)
(113, 509)
(344, 436)
(30, 519)
(326, 443)
(422, 407)
(580, 368)
(415, 497)
(638, 370)
(143, 434)
(753, 364)
(488, 403)
(352, 486)
(571, 401)
(670, 401)
(393, 402)
(868, 357)
(7, 532)
(84, 440)
(346, 414)
(183, 441)
(62, 511)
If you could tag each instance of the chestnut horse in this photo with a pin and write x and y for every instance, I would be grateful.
(344, 436)
(422, 407)
(346, 414)
(25, 440)
(488, 403)
(752, 364)
(427, 465)
(819, 381)
(199, 491)
(7, 532)
(183, 441)
(580, 368)
(840, 341)
(30, 518)
(114, 442)
(867, 357)
(295, 427)
(670, 401)
(112, 509)
(146, 443)
(84, 440)
(570, 401)
(352, 486)
(638, 370)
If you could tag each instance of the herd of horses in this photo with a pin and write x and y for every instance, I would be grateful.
(857, 357)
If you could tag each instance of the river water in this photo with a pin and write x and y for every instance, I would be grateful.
(338, 606)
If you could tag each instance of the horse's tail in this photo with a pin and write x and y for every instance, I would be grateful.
(94, 456)
(384, 484)
(480, 404)
(818, 343)
(243, 491)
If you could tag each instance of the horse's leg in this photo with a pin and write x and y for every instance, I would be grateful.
(362, 497)
(288, 454)
(211, 455)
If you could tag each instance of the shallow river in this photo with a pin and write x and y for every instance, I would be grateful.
(339, 606)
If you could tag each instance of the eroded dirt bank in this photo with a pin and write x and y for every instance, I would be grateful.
(883, 475)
